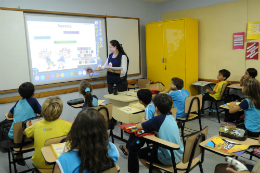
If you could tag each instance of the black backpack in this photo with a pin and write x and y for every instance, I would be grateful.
(5, 126)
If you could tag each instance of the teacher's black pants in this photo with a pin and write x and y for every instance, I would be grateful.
(122, 86)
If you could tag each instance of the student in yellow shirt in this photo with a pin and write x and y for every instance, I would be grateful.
(216, 93)
(50, 127)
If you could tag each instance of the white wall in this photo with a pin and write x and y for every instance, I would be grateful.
(177, 5)
(147, 12)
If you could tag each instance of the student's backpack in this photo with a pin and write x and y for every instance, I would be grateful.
(5, 126)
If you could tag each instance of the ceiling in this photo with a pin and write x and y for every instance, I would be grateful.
(155, 1)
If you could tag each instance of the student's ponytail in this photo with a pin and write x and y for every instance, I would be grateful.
(88, 99)
(85, 89)
(118, 46)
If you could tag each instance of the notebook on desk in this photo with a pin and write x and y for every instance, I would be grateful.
(227, 146)
(58, 149)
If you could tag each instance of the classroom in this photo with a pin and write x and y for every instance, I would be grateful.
(188, 45)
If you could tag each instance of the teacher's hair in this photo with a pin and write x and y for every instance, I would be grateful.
(118, 46)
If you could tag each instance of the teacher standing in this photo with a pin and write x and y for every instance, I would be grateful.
(117, 58)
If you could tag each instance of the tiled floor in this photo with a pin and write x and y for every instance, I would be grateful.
(210, 161)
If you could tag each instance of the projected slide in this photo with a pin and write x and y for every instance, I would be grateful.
(65, 50)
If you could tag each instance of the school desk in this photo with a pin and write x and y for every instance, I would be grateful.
(50, 158)
(203, 83)
(235, 86)
(11, 119)
(248, 141)
(100, 103)
(226, 107)
(124, 99)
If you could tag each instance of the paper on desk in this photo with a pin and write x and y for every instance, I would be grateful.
(201, 83)
(134, 94)
(130, 109)
(100, 102)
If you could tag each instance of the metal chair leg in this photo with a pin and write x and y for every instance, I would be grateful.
(210, 106)
(217, 112)
(112, 136)
(182, 133)
(200, 123)
(9, 160)
(201, 169)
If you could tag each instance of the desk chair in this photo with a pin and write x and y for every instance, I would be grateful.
(48, 142)
(141, 83)
(21, 142)
(192, 104)
(173, 112)
(190, 157)
(115, 169)
(224, 92)
(106, 111)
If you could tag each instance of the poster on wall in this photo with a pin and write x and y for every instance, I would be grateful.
(253, 30)
(238, 40)
(252, 50)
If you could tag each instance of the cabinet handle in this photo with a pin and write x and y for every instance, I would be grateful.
(165, 60)
(162, 60)
(165, 67)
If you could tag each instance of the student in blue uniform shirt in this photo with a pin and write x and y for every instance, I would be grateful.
(89, 149)
(145, 98)
(25, 108)
(166, 127)
(178, 96)
(85, 89)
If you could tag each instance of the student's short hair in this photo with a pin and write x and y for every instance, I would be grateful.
(52, 108)
(26, 90)
(252, 72)
(225, 73)
(178, 83)
(145, 96)
(163, 102)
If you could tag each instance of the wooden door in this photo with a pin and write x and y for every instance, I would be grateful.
(174, 50)
(154, 51)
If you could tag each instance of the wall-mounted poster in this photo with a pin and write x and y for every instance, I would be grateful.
(238, 40)
(252, 50)
(253, 30)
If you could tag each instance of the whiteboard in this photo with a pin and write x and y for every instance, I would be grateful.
(14, 60)
(126, 32)
(14, 66)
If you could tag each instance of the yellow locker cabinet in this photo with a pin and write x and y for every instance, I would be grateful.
(172, 51)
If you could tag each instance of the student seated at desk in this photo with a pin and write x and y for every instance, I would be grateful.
(251, 107)
(145, 98)
(85, 89)
(89, 148)
(216, 93)
(50, 127)
(166, 127)
(178, 96)
(25, 108)
(250, 73)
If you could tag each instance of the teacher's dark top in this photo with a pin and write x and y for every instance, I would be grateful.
(116, 62)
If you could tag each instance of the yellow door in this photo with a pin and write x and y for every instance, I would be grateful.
(154, 51)
(174, 50)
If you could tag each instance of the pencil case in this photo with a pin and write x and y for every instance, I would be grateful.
(233, 133)
(75, 101)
